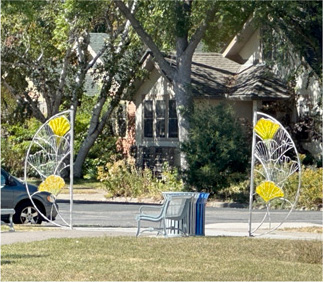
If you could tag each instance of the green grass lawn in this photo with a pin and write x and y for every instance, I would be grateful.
(172, 259)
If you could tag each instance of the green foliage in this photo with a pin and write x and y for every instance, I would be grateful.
(229, 20)
(47, 42)
(311, 193)
(102, 151)
(12, 111)
(236, 192)
(29, 50)
(15, 140)
(217, 152)
(301, 22)
(167, 20)
(122, 178)
(104, 146)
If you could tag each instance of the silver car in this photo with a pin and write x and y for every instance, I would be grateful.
(15, 196)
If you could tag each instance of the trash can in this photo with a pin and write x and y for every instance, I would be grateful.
(200, 214)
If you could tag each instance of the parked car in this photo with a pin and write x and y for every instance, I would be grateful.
(14, 196)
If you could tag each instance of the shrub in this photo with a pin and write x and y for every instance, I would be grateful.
(237, 192)
(15, 140)
(217, 152)
(311, 192)
(100, 153)
(122, 178)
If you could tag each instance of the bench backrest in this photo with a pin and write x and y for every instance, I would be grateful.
(177, 206)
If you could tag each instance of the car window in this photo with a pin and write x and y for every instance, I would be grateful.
(3, 181)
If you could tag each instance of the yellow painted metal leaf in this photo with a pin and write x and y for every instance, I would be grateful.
(60, 126)
(268, 191)
(52, 184)
(266, 128)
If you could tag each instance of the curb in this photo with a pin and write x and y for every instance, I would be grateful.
(100, 198)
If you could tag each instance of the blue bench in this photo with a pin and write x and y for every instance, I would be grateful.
(174, 208)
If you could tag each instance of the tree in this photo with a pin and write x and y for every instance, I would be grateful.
(26, 49)
(217, 149)
(293, 43)
(301, 22)
(45, 47)
(185, 23)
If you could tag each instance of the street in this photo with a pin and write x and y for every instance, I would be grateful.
(113, 214)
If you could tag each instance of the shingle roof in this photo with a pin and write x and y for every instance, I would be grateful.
(214, 76)
(258, 83)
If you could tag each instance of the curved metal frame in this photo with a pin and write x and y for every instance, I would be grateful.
(272, 155)
(59, 161)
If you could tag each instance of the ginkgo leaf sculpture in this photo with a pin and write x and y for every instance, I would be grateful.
(269, 191)
(274, 160)
(60, 126)
(52, 184)
(49, 157)
(266, 128)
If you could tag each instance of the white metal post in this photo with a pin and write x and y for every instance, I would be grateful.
(71, 165)
(252, 173)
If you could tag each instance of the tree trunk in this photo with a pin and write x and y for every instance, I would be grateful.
(82, 154)
(183, 96)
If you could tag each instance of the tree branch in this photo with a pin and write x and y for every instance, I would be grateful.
(33, 106)
(147, 39)
(198, 35)
(62, 79)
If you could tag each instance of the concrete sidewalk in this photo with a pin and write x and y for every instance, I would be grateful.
(219, 229)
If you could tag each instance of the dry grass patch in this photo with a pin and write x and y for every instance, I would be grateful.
(27, 227)
(156, 259)
(309, 229)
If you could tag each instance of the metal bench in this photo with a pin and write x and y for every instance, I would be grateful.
(174, 209)
(9, 212)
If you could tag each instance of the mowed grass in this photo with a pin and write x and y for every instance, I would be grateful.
(163, 259)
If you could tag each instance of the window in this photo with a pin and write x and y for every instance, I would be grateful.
(173, 120)
(148, 119)
(160, 119)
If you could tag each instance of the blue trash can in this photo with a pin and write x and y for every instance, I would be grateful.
(200, 214)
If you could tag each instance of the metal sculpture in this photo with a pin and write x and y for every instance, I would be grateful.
(274, 160)
(49, 155)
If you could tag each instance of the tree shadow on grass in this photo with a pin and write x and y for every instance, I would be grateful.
(12, 258)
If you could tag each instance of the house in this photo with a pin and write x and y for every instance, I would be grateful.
(215, 79)
(238, 76)
(247, 48)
